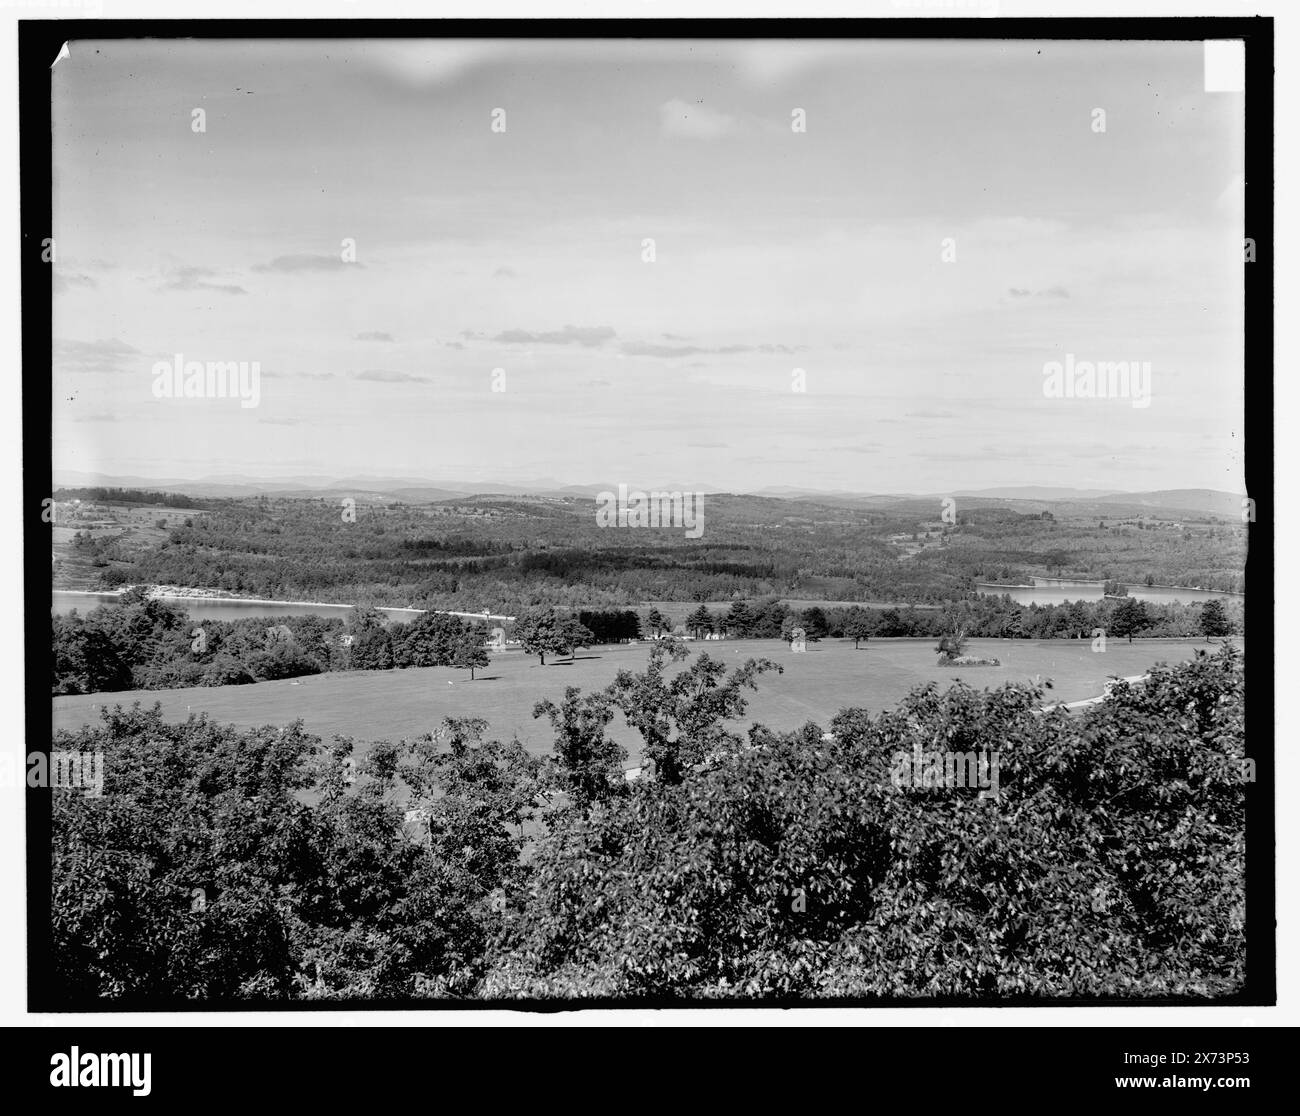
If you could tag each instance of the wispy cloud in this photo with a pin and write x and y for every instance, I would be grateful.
(373, 335)
(197, 279)
(588, 336)
(386, 376)
(93, 356)
(305, 262)
(1050, 292)
(653, 349)
(65, 281)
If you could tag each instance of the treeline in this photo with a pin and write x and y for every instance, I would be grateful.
(611, 626)
(263, 867)
(142, 643)
(984, 617)
(129, 496)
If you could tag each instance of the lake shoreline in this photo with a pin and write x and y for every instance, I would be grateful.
(178, 593)
(1052, 582)
(206, 598)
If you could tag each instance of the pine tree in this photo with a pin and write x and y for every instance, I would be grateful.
(700, 621)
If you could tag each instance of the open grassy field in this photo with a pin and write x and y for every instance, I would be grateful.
(390, 705)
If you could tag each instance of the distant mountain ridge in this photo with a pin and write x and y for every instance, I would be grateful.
(1103, 502)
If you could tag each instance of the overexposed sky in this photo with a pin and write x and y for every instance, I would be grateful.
(775, 250)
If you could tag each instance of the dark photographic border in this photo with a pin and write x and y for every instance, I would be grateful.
(39, 43)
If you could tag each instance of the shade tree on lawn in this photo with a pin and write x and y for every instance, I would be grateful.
(469, 652)
(859, 625)
(1129, 618)
(544, 630)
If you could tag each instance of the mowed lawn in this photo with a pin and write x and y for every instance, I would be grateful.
(831, 675)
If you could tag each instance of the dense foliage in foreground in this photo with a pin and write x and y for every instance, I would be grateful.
(250, 865)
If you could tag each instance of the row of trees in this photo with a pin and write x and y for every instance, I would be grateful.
(262, 865)
(140, 642)
(611, 626)
(431, 639)
(144, 643)
(986, 617)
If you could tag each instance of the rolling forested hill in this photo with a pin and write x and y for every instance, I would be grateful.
(515, 550)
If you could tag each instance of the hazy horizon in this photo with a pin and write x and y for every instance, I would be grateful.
(543, 485)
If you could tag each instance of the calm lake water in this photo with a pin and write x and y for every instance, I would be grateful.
(216, 608)
(1044, 592)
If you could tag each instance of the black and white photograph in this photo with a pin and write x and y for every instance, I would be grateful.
(733, 518)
